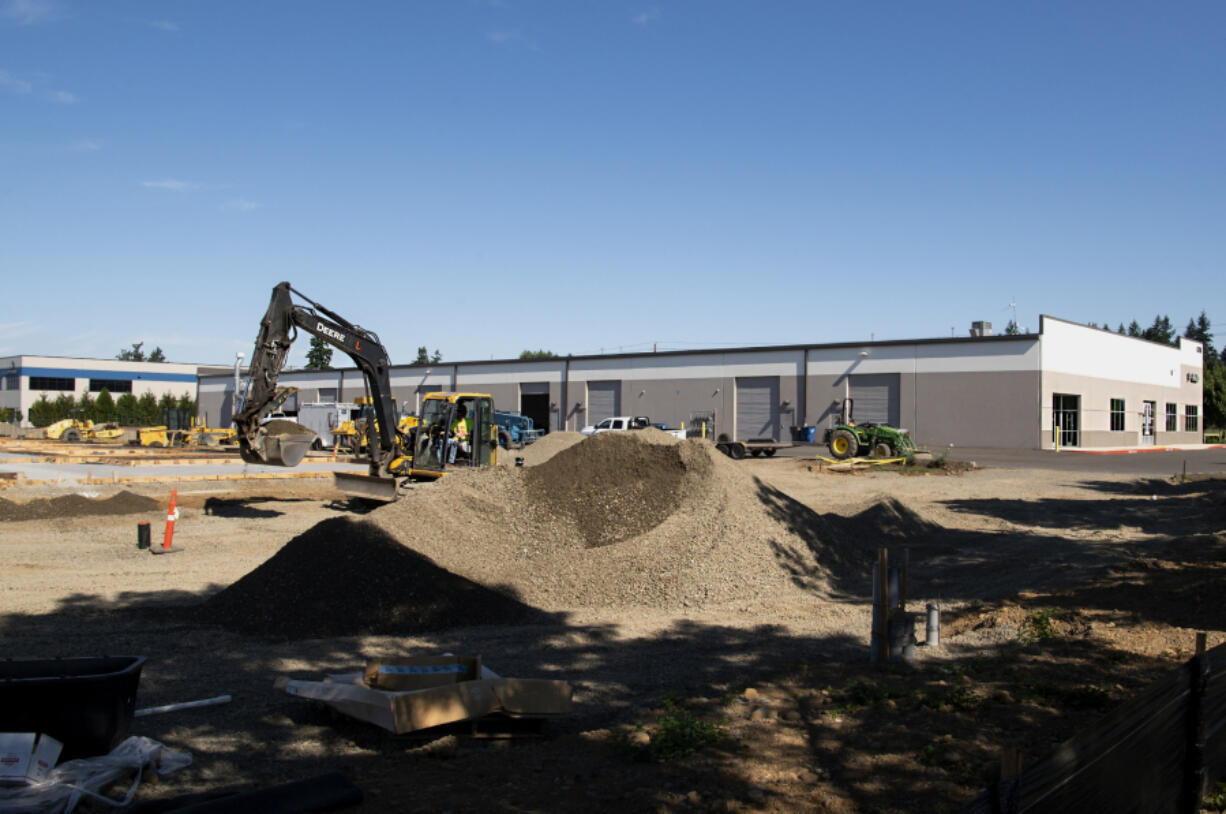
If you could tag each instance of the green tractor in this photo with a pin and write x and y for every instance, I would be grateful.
(848, 439)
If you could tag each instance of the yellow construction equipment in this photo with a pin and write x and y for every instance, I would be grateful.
(75, 429)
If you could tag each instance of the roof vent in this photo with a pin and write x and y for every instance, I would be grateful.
(981, 329)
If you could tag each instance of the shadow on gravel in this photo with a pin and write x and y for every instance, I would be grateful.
(242, 507)
(950, 564)
(816, 733)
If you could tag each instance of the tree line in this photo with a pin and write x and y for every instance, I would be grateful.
(127, 410)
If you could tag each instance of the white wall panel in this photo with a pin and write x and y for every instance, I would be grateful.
(1083, 351)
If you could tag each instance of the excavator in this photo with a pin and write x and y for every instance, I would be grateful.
(389, 444)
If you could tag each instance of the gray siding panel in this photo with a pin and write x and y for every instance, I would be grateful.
(757, 408)
(603, 400)
(875, 398)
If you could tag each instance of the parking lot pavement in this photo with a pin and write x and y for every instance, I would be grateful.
(1154, 463)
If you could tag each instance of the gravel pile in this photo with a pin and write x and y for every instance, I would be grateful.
(636, 519)
(346, 577)
(77, 506)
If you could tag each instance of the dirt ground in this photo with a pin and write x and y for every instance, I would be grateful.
(1062, 595)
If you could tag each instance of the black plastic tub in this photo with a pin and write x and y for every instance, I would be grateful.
(84, 702)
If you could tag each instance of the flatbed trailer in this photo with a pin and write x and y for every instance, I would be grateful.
(736, 450)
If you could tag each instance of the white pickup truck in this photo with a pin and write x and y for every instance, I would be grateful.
(627, 422)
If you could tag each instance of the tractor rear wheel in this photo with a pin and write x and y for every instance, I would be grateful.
(843, 444)
(883, 450)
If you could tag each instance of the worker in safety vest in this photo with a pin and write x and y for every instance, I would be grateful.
(461, 433)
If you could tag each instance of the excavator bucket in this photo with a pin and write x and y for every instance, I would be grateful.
(280, 443)
(371, 487)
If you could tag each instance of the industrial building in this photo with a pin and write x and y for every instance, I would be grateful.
(1068, 383)
(25, 379)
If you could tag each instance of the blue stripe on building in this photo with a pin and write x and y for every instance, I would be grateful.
(118, 375)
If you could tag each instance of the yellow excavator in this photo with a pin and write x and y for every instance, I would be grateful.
(351, 433)
(456, 429)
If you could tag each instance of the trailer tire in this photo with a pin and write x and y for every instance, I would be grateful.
(757, 453)
(724, 449)
(843, 444)
(770, 452)
(736, 450)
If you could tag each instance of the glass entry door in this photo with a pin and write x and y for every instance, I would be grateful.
(1148, 408)
(1066, 419)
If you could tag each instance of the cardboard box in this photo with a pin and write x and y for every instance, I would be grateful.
(421, 672)
(411, 710)
(27, 757)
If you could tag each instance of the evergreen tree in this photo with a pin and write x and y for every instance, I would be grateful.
(1134, 328)
(187, 403)
(157, 356)
(423, 356)
(40, 412)
(86, 408)
(104, 406)
(135, 354)
(538, 354)
(319, 356)
(147, 409)
(127, 410)
(1161, 331)
(64, 403)
(1121, 329)
(1198, 329)
(1012, 330)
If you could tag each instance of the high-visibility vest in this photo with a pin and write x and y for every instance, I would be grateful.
(460, 428)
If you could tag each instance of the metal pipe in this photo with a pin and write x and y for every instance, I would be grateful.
(932, 636)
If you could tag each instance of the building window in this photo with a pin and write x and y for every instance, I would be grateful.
(110, 385)
(1191, 418)
(1172, 417)
(52, 383)
(327, 394)
(1117, 415)
(11, 381)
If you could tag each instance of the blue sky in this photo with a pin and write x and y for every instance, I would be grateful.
(485, 176)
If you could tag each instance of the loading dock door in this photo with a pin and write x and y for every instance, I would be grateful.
(875, 398)
(534, 403)
(603, 401)
(757, 408)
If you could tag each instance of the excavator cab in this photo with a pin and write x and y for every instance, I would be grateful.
(454, 430)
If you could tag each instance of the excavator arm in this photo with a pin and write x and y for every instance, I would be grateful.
(284, 443)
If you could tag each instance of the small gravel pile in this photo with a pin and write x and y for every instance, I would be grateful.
(346, 577)
(76, 506)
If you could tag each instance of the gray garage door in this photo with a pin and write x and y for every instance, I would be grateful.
(603, 401)
(757, 408)
(875, 398)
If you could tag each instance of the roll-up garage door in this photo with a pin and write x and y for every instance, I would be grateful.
(875, 398)
(603, 401)
(757, 408)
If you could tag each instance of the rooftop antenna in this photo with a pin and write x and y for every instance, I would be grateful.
(1013, 305)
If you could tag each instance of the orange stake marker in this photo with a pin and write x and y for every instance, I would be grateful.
(172, 514)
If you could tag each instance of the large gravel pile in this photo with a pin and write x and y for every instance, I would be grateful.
(616, 520)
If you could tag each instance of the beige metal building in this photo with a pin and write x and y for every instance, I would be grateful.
(1093, 387)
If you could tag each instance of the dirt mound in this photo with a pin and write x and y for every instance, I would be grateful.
(639, 485)
(347, 577)
(77, 506)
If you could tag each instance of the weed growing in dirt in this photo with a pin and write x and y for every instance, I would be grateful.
(1037, 626)
(1084, 696)
(1217, 800)
(678, 733)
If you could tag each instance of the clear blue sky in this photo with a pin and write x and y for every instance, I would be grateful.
(485, 176)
